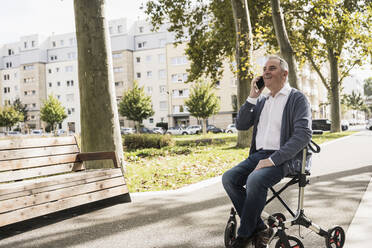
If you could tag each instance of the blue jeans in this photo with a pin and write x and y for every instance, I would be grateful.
(250, 201)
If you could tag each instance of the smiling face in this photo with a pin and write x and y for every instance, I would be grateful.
(274, 76)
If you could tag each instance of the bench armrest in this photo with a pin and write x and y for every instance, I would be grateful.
(89, 156)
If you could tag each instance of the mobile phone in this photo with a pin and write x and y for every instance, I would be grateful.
(260, 83)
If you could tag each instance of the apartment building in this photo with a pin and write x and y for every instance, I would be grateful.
(34, 68)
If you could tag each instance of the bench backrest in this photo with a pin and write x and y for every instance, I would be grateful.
(37, 157)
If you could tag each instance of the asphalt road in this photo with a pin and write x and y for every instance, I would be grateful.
(195, 216)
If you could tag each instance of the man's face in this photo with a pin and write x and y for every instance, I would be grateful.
(273, 75)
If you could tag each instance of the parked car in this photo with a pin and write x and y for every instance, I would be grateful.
(37, 132)
(231, 128)
(127, 130)
(145, 130)
(369, 124)
(194, 129)
(177, 131)
(60, 132)
(214, 129)
(325, 125)
(13, 133)
(158, 130)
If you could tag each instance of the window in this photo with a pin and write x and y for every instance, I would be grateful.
(8, 64)
(148, 58)
(71, 41)
(181, 60)
(33, 43)
(72, 82)
(71, 55)
(70, 97)
(149, 89)
(25, 44)
(151, 120)
(62, 42)
(50, 84)
(138, 59)
(162, 74)
(140, 29)
(34, 105)
(117, 55)
(57, 69)
(162, 89)
(59, 97)
(120, 28)
(162, 42)
(25, 93)
(50, 71)
(138, 74)
(10, 52)
(68, 83)
(53, 57)
(6, 77)
(118, 69)
(33, 92)
(163, 105)
(161, 58)
(53, 44)
(119, 83)
(110, 30)
(6, 89)
(28, 67)
(69, 111)
(69, 68)
(149, 74)
(58, 83)
(141, 44)
(218, 84)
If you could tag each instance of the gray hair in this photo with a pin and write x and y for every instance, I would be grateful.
(283, 64)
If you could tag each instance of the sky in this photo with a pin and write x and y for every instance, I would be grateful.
(25, 17)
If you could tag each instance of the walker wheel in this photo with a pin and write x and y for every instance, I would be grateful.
(230, 232)
(335, 238)
(293, 243)
(278, 216)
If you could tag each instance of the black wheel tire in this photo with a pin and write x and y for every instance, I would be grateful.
(229, 131)
(336, 237)
(184, 133)
(230, 233)
(293, 242)
(278, 216)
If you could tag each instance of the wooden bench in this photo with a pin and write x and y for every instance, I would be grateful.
(39, 176)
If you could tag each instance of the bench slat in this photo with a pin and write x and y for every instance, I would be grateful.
(21, 143)
(40, 198)
(39, 210)
(37, 185)
(37, 162)
(35, 172)
(38, 152)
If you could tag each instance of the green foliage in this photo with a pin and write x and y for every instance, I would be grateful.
(354, 101)
(135, 105)
(368, 86)
(52, 112)
(138, 141)
(202, 102)
(20, 107)
(9, 116)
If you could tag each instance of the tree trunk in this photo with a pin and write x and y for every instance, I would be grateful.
(99, 115)
(243, 57)
(284, 44)
(334, 93)
(204, 126)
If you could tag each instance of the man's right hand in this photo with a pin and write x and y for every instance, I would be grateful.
(255, 92)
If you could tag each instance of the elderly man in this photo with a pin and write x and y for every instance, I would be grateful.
(281, 129)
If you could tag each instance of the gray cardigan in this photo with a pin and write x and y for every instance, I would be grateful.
(295, 131)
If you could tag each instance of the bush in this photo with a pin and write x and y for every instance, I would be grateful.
(140, 141)
(205, 141)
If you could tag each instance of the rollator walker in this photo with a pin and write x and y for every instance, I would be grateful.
(334, 237)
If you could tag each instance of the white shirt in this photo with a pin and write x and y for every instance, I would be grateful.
(270, 123)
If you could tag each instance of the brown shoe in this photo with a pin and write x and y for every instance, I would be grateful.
(241, 242)
(263, 237)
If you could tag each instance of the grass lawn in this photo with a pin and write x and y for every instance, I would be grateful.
(177, 166)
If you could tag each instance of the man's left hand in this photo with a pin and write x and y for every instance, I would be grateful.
(264, 163)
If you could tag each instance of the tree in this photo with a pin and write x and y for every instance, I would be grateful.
(333, 32)
(216, 31)
(135, 105)
(20, 107)
(368, 86)
(99, 117)
(52, 112)
(285, 45)
(9, 116)
(202, 102)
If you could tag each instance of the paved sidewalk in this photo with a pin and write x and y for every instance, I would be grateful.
(359, 232)
(195, 216)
